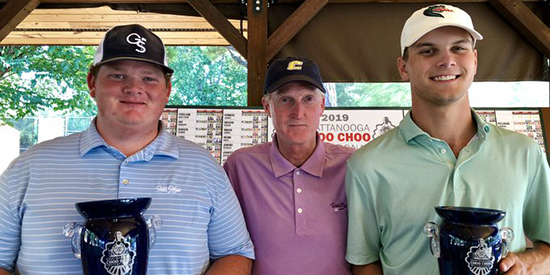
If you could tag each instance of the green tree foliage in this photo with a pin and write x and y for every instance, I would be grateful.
(36, 78)
(39, 78)
(208, 76)
(373, 94)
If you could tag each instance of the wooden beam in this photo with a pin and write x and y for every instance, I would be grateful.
(13, 13)
(71, 38)
(238, 1)
(526, 22)
(257, 44)
(105, 2)
(218, 21)
(292, 25)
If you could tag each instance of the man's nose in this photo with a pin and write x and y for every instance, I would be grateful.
(298, 109)
(446, 59)
(132, 86)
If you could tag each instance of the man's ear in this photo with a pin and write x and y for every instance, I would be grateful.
(475, 55)
(91, 84)
(265, 103)
(402, 68)
(169, 90)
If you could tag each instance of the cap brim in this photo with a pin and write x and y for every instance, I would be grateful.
(164, 68)
(277, 84)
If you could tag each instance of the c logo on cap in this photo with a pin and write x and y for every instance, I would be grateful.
(295, 65)
(137, 40)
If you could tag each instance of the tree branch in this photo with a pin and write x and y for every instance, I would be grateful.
(238, 58)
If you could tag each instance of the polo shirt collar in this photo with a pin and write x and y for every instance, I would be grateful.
(313, 165)
(409, 130)
(163, 144)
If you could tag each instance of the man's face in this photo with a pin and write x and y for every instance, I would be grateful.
(129, 93)
(295, 110)
(441, 66)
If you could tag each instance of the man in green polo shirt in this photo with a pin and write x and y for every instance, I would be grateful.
(442, 153)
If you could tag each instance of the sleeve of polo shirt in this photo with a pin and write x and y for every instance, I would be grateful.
(363, 238)
(227, 233)
(10, 224)
(537, 206)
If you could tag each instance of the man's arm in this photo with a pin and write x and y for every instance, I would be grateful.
(4, 272)
(369, 269)
(535, 261)
(229, 265)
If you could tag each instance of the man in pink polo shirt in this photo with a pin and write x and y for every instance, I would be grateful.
(292, 189)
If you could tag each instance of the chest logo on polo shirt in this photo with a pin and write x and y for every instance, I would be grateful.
(118, 256)
(480, 258)
(339, 206)
(168, 189)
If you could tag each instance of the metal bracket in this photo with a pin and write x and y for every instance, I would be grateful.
(257, 4)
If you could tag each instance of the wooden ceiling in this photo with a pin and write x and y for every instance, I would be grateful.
(87, 26)
(76, 27)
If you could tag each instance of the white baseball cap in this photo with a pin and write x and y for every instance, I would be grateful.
(432, 17)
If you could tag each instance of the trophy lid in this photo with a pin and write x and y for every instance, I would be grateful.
(471, 215)
(118, 208)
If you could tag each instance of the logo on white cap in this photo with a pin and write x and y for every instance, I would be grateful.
(137, 40)
(436, 11)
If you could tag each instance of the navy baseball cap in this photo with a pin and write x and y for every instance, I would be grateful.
(132, 42)
(290, 69)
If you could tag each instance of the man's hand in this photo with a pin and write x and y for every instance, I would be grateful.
(231, 265)
(4, 272)
(533, 262)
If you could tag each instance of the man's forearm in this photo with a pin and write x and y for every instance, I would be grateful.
(230, 265)
(370, 269)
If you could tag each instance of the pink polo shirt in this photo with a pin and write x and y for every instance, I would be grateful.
(297, 217)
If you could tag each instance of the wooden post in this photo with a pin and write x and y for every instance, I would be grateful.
(256, 54)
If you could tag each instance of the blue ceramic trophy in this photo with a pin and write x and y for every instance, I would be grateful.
(115, 238)
(468, 242)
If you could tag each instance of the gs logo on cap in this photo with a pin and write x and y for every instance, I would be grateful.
(136, 39)
(295, 65)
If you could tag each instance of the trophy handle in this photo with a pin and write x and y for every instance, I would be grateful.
(74, 231)
(507, 235)
(154, 223)
(432, 230)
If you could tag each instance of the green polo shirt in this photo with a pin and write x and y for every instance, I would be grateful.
(394, 182)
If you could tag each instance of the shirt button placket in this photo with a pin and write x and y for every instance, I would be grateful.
(298, 202)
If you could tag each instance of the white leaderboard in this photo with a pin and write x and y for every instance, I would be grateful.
(222, 131)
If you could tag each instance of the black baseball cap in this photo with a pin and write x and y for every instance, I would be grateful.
(132, 42)
(289, 69)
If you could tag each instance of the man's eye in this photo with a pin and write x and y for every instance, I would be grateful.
(459, 48)
(117, 76)
(427, 52)
(285, 100)
(309, 98)
(149, 79)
